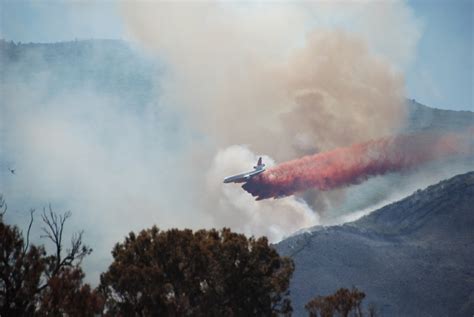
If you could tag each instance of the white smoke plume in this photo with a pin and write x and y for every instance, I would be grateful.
(279, 79)
(272, 218)
(285, 78)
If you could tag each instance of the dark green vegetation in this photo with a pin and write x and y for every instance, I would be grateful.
(109, 67)
(404, 256)
(411, 258)
(202, 273)
(154, 273)
(33, 282)
(343, 303)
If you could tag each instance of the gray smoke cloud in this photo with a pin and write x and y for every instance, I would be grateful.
(82, 146)
(227, 204)
(283, 80)
(248, 66)
(239, 81)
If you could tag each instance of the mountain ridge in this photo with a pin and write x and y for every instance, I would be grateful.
(363, 250)
(423, 271)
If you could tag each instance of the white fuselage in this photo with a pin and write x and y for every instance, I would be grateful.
(244, 177)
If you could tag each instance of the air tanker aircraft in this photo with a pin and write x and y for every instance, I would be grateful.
(244, 177)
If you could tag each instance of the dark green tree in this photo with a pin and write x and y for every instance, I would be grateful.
(202, 273)
(342, 303)
(33, 282)
(67, 295)
(21, 270)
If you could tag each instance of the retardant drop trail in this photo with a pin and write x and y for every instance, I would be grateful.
(354, 164)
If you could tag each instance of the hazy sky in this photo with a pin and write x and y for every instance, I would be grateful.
(88, 150)
(440, 75)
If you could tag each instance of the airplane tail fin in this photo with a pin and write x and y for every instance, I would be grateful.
(259, 163)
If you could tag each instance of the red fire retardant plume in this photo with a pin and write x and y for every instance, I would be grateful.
(354, 164)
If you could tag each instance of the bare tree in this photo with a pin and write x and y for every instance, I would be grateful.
(27, 244)
(35, 283)
(3, 211)
(54, 231)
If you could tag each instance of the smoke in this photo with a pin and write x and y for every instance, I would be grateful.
(352, 165)
(274, 219)
(247, 74)
(93, 132)
(282, 79)
(80, 141)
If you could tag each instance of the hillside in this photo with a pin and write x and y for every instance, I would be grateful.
(423, 118)
(412, 258)
(408, 257)
(105, 67)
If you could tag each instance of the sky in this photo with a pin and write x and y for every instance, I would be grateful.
(442, 73)
(439, 75)
(304, 69)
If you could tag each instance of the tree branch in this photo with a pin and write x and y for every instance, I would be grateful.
(54, 231)
(32, 211)
(3, 206)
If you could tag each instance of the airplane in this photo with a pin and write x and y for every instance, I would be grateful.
(11, 171)
(244, 177)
